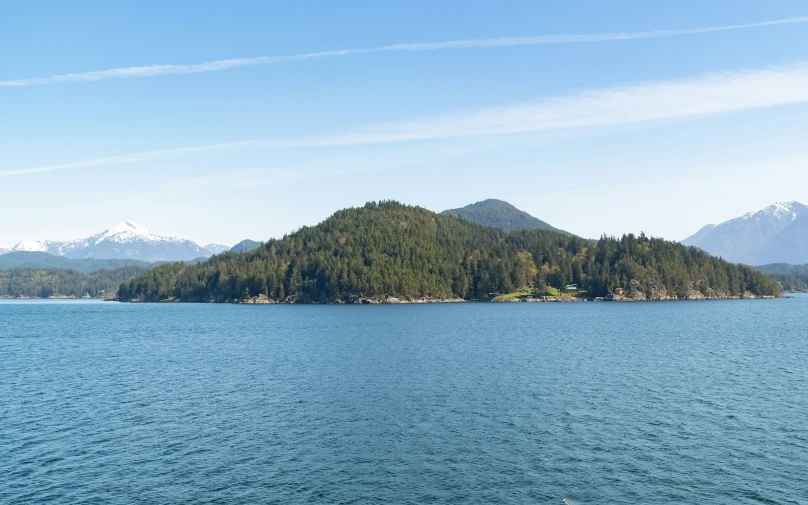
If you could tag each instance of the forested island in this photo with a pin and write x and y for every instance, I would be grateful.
(389, 250)
(60, 282)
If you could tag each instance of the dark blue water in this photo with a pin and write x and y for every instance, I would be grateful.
(601, 403)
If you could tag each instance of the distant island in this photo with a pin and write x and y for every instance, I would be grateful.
(388, 251)
(64, 282)
(792, 278)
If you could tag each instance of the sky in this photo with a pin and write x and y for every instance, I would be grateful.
(220, 121)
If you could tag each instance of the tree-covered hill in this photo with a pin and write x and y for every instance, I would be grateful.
(390, 249)
(793, 278)
(245, 246)
(499, 214)
(43, 283)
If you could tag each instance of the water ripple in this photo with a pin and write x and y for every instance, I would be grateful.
(465, 404)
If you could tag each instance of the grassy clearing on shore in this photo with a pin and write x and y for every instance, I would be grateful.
(518, 295)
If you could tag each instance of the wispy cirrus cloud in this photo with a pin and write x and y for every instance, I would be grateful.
(213, 66)
(635, 104)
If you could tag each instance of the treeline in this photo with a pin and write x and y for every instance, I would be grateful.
(390, 249)
(792, 278)
(47, 282)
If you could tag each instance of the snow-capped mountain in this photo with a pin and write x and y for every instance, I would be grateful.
(776, 234)
(124, 240)
(216, 248)
(32, 246)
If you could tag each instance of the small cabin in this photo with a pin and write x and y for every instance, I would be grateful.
(571, 287)
(619, 291)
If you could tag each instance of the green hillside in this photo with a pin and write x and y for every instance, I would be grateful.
(390, 249)
(793, 278)
(42, 283)
(246, 246)
(499, 214)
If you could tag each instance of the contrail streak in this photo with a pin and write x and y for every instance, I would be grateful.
(212, 66)
(703, 96)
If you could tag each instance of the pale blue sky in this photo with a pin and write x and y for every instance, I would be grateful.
(652, 132)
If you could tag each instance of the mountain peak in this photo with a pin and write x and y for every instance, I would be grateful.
(774, 234)
(123, 233)
(125, 240)
(499, 214)
(216, 248)
(785, 212)
(782, 206)
(128, 228)
(30, 246)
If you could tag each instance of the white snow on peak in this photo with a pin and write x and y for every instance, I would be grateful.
(784, 211)
(127, 231)
(216, 248)
(125, 239)
(781, 211)
(128, 227)
(30, 246)
(779, 214)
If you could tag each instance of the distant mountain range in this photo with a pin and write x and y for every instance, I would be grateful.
(126, 240)
(42, 260)
(500, 214)
(776, 234)
(216, 248)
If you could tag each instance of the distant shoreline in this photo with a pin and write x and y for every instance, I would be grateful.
(419, 301)
(453, 301)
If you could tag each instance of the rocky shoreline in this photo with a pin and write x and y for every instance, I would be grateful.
(53, 297)
(264, 300)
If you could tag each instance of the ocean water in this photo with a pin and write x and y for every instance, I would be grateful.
(589, 403)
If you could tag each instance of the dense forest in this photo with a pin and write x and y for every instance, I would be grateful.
(43, 283)
(499, 214)
(793, 278)
(390, 249)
